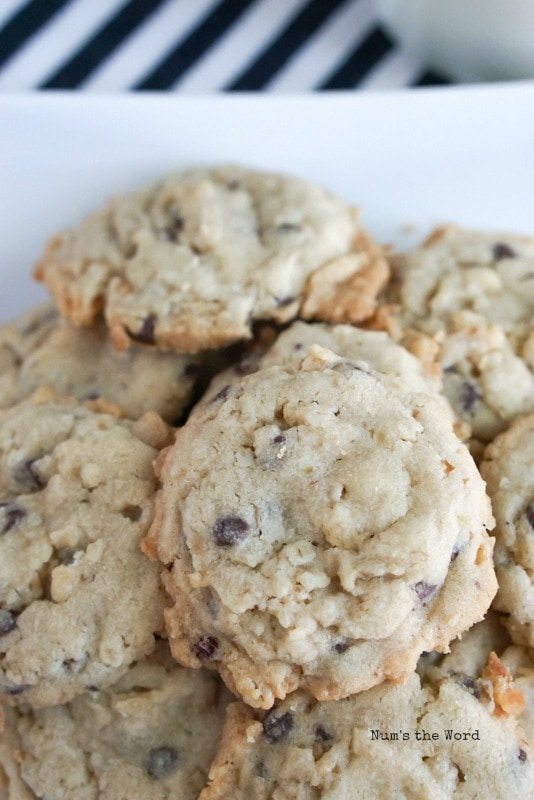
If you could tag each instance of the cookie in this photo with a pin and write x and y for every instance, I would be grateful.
(40, 348)
(486, 663)
(18, 340)
(468, 655)
(79, 601)
(406, 740)
(508, 469)
(485, 381)
(345, 289)
(375, 348)
(190, 262)
(520, 664)
(465, 300)
(324, 525)
(152, 734)
(462, 270)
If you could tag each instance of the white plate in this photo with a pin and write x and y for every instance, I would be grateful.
(411, 158)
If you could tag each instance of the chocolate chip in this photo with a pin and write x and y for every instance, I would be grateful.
(8, 622)
(346, 367)
(66, 555)
(472, 686)
(342, 645)
(450, 369)
(469, 397)
(172, 231)
(281, 302)
(277, 728)
(191, 371)
(288, 227)
(28, 477)
(260, 770)
(132, 513)
(161, 762)
(424, 590)
(222, 394)
(13, 515)
(279, 438)
(13, 690)
(207, 648)
(322, 735)
(130, 249)
(455, 553)
(503, 250)
(232, 186)
(529, 514)
(522, 755)
(230, 530)
(145, 335)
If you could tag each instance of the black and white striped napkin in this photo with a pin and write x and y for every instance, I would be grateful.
(200, 46)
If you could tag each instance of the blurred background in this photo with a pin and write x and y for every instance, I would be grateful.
(200, 46)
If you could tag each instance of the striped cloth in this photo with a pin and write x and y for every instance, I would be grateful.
(200, 46)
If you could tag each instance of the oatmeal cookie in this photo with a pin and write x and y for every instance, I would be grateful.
(190, 262)
(375, 348)
(520, 664)
(468, 299)
(508, 469)
(42, 349)
(485, 662)
(79, 602)
(324, 526)
(17, 340)
(435, 740)
(461, 270)
(151, 736)
(485, 381)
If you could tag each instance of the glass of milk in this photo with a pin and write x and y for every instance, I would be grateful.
(469, 40)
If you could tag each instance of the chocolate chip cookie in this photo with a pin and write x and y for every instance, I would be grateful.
(151, 736)
(457, 270)
(375, 348)
(485, 662)
(407, 740)
(324, 525)
(508, 469)
(42, 349)
(190, 262)
(79, 602)
(466, 300)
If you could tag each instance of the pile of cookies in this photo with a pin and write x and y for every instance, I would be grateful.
(267, 506)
